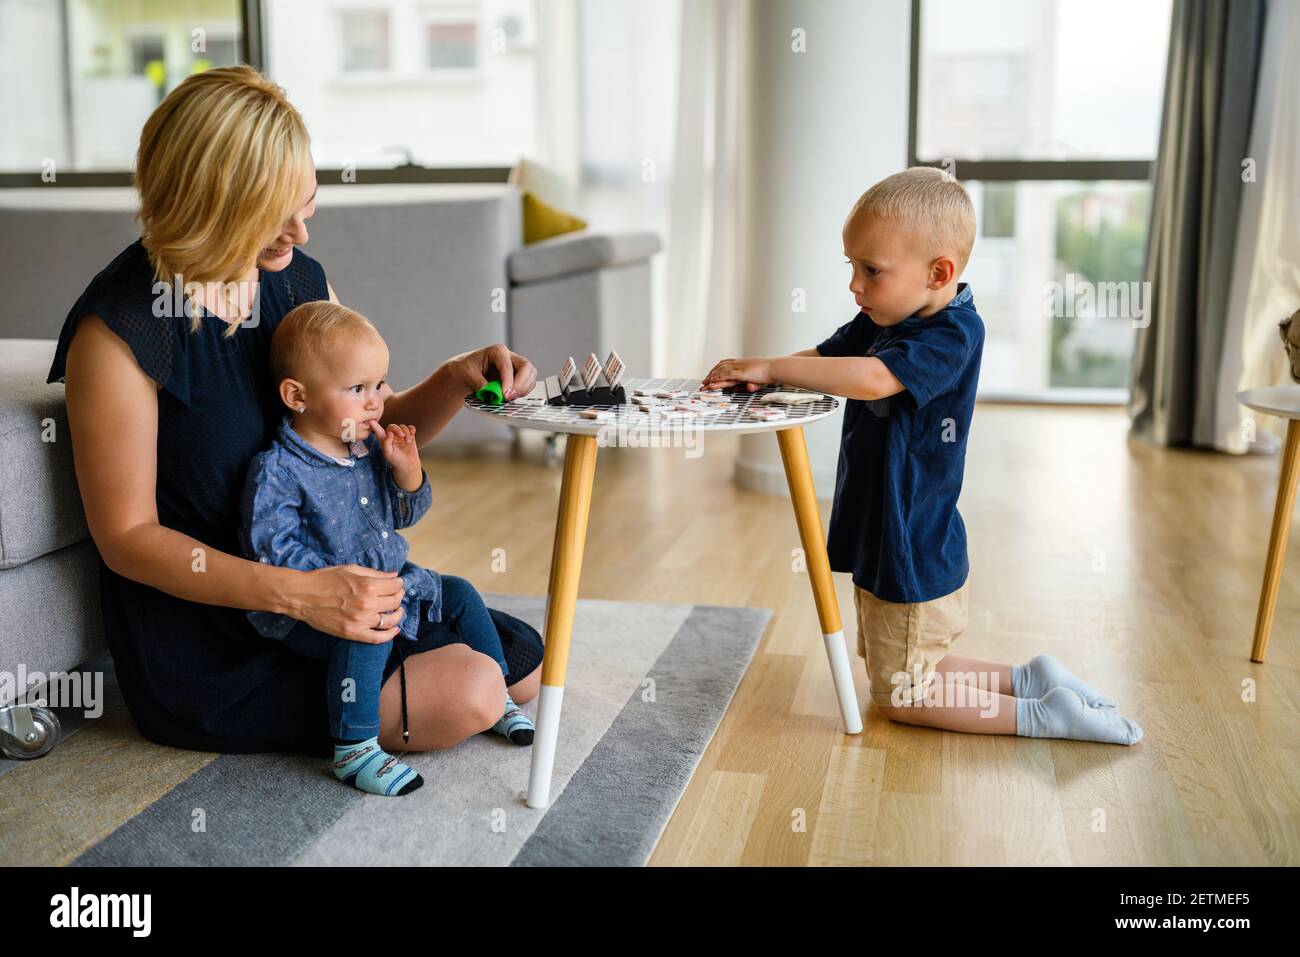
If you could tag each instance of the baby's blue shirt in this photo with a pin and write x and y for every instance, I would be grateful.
(303, 508)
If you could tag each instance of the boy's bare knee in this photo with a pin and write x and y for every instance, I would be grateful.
(889, 711)
(908, 715)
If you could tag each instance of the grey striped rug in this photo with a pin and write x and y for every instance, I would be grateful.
(646, 689)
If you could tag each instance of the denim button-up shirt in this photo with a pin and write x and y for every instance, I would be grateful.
(303, 508)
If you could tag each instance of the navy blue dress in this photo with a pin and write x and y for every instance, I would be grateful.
(200, 676)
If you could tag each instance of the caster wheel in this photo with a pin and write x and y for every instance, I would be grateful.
(39, 740)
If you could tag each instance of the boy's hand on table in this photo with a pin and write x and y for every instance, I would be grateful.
(753, 373)
(854, 377)
(397, 442)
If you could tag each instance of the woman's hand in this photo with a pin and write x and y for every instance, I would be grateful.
(347, 600)
(472, 369)
(753, 372)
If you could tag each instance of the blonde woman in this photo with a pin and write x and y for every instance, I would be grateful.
(168, 399)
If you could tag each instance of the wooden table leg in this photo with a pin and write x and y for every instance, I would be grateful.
(561, 600)
(798, 473)
(1286, 487)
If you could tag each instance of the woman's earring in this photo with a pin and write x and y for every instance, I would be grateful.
(302, 408)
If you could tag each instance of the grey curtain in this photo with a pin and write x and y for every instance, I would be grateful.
(1214, 52)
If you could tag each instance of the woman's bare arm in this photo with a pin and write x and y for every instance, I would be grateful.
(431, 404)
(113, 420)
(113, 417)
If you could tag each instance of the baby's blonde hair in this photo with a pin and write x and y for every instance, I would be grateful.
(221, 166)
(310, 331)
(927, 202)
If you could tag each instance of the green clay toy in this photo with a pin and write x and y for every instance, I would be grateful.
(490, 393)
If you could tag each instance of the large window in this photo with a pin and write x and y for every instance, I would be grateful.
(444, 89)
(1048, 111)
(79, 77)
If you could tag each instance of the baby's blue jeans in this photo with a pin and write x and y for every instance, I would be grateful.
(356, 668)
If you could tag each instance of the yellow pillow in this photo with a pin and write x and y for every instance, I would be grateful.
(542, 221)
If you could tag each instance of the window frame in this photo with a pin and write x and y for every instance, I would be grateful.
(1017, 171)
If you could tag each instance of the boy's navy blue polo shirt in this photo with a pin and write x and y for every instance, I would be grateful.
(894, 523)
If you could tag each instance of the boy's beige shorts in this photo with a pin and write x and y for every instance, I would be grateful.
(907, 640)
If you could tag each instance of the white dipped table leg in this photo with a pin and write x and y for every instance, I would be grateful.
(798, 474)
(561, 601)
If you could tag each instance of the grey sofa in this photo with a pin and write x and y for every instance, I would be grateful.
(49, 566)
(438, 269)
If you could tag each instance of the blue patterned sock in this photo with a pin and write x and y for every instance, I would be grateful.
(1063, 713)
(365, 765)
(514, 724)
(1042, 673)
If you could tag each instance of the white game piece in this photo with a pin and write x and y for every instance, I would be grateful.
(590, 372)
(636, 392)
(792, 398)
(691, 405)
(613, 369)
(567, 372)
(671, 393)
(712, 409)
(599, 414)
(765, 415)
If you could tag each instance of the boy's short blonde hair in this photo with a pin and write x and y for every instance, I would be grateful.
(927, 202)
(310, 331)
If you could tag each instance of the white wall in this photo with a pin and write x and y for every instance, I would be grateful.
(827, 123)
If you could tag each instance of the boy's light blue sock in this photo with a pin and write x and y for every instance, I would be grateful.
(514, 724)
(1042, 673)
(1063, 713)
(365, 765)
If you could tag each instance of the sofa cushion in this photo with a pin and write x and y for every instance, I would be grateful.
(40, 505)
(579, 252)
(543, 221)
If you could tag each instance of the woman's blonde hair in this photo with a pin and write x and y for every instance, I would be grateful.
(221, 165)
(310, 331)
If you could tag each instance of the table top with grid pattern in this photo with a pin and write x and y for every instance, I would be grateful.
(528, 413)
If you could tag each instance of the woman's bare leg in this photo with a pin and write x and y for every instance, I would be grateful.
(988, 675)
(526, 688)
(452, 693)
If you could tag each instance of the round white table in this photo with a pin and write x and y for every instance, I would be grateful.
(1283, 401)
(629, 426)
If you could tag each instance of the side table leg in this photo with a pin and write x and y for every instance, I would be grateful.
(561, 599)
(1286, 486)
(798, 473)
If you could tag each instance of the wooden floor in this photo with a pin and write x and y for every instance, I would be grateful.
(1139, 568)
